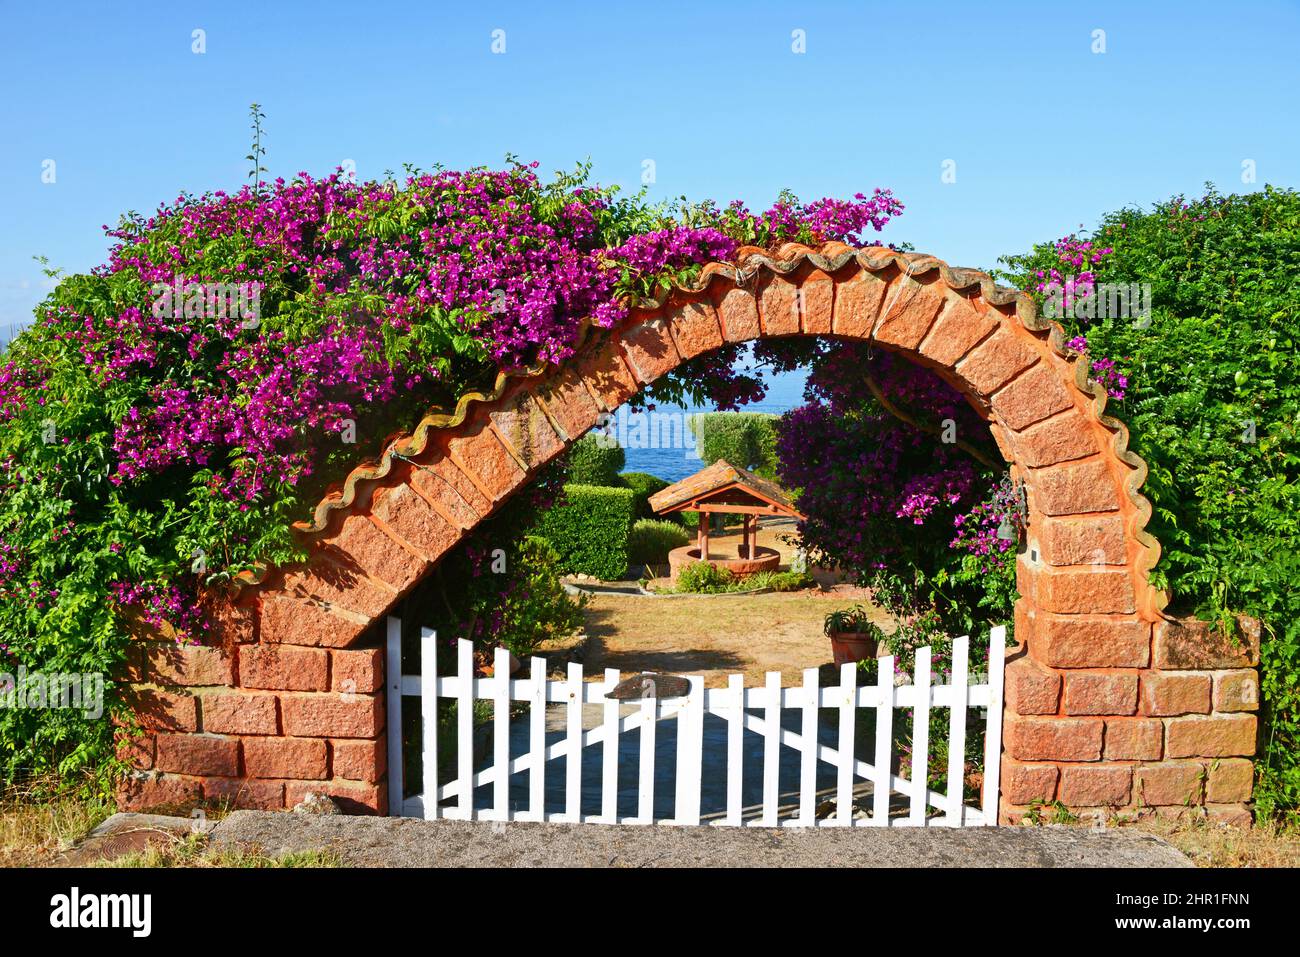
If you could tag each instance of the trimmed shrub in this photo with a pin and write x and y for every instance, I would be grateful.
(588, 528)
(591, 462)
(746, 439)
(651, 539)
(643, 485)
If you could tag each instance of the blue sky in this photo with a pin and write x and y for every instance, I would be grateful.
(1045, 134)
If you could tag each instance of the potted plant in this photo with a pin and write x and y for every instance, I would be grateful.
(854, 637)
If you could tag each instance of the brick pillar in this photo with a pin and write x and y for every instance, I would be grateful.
(254, 725)
(1110, 713)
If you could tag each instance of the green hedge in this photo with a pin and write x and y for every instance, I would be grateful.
(746, 439)
(643, 485)
(588, 528)
(651, 539)
(1212, 402)
(592, 462)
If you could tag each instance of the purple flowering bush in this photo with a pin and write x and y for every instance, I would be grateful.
(167, 416)
(887, 499)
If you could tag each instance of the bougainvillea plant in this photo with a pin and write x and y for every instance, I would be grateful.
(168, 415)
(886, 497)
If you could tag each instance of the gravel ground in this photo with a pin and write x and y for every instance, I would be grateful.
(408, 842)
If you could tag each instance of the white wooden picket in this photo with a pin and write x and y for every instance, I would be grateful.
(756, 710)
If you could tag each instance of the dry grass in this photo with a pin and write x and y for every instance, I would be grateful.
(713, 636)
(194, 851)
(33, 832)
(1220, 845)
(38, 828)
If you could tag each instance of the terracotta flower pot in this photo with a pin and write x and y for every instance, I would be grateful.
(852, 646)
(489, 669)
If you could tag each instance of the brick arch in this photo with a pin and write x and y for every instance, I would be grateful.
(1077, 728)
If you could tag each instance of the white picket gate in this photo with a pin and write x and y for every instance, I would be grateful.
(757, 710)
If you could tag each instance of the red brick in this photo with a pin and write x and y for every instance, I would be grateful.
(162, 710)
(353, 798)
(1031, 688)
(695, 329)
(1078, 641)
(409, 517)
(236, 713)
(330, 716)
(301, 758)
(361, 546)
(293, 622)
(1031, 397)
(198, 754)
(1095, 785)
(997, 360)
(523, 424)
(649, 350)
(149, 790)
(1092, 591)
(738, 315)
(137, 751)
(356, 672)
(359, 760)
(1236, 690)
(1053, 739)
(480, 454)
(957, 330)
(1025, 618)
(857, 304)
(1189, 644)
(778, 307)
(229, 623)
(1231, 780)
(450, 491)
(242, 793)
(1171, 782)
(1026, 783)
(1061, 438)
(1108, 693)
(1165, 693)
(1134, 739)
(346, 588)
(910, 310)
(1217, 737)
(283, 668)
(606, 374)
(188, 665)
(1094, 540)
(1233, 815)
(569, 403)
(1075, 488)
(816, 300)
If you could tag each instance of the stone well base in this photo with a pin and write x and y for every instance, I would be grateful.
(765, 560)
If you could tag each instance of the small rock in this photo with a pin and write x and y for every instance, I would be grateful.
(314, 803)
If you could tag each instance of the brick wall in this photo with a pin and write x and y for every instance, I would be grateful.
(1107, 704)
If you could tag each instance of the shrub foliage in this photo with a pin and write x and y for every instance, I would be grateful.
(588, 528)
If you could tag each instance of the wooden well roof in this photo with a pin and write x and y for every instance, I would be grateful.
(723, 487)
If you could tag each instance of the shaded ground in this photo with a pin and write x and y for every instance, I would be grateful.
(408, 842)
(713, 635)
